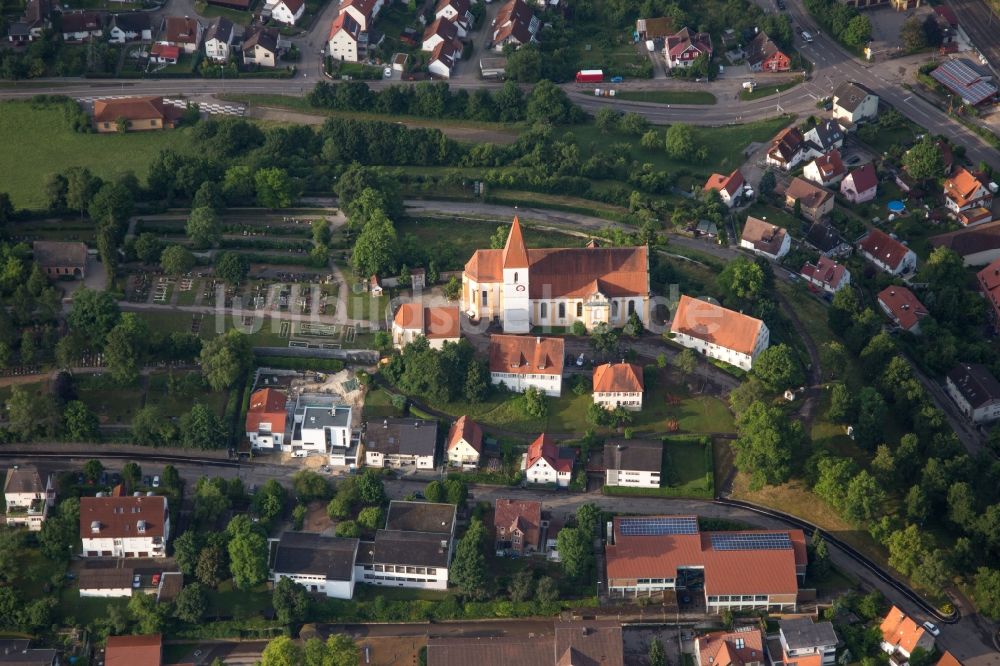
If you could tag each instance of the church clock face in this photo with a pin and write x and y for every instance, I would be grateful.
(519, 287)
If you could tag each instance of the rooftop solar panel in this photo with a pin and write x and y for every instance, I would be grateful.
(964, 81)
(658, 526)
(739, 541)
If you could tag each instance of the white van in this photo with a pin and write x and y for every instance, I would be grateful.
(807, 37)
(299, 453)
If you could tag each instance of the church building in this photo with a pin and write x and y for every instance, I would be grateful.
(520, 288)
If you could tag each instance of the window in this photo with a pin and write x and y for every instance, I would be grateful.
(631, 308)
(485, 299)
(543, 310)
(562, 310)
(579, 309)
(614, 309)
(515, 277)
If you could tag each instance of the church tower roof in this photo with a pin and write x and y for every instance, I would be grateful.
(515, 254)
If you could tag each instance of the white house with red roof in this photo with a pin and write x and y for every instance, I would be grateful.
(887, 253)
(348, 42)
(362, 11)
(124, 526)
(444, 57)
(458, 12)
(547, 462)
(744, 646)
(618, 385)
(766, 239)
(729, 187)
(440, 31)
(902, 307)
(860, 185)
(685, 46)
(964, 191)
(901, 635)
(267, 418)
(438, 324)
(826, 274)
(520, 362)
(465, 443)
(286, 11)
(719, 333)
(515, 24)
(826, 170)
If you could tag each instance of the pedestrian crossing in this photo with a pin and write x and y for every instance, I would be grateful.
(211, 108)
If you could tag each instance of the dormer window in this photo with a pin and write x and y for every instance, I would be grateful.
(141, 526)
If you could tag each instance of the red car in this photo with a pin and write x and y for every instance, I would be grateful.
(156, 579)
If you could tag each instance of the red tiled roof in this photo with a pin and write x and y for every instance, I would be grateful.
(719, 647)
(864, 177)
(525, 515)
(346, 22)
(515, 254)
(764, 236)
(119, 516)
(730, 184)
(989, 284)
(526, 355)
(294, 5)
(948, 659)
(365, 7)
(883, 247)
(181, 30)
(829, 165)
(447, 52)
(545, 447)
(165, 51)
(903, 306)
(436, 322)
(513, 19)
(786, 144)
(684, 39)
(716, 324)
(826, 271)
(962, 187)
(81, 22)
(443, 28)
(977, 215)
(811, 195)
(268, 406)
(460, 6)
(946, 12)
(133, 108)
(618, 378)
(465, 429)
(899, 630)
(134, 651)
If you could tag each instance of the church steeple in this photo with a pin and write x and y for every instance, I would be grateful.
(515, 254)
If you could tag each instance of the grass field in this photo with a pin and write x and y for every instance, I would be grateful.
(766, 90)
(667, 96)
(37, 141)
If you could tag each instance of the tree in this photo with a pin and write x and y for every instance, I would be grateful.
(282, 651)
(338, 508)
(923, 161)
(171, 478)
(575, 552)
(871, 417)
(521, 585)
(275, 188)
(918, 506)
(111, 206)
(456, 492)
(778, 368)
(81, 423)
(186, 552)
(835, 475)
(858, 31)
(290, 601)
(547, 591)
(477, 384)
(603, 338)
(93, 315)
(269, 502)
(679, 141)
(339, 650)
(634, 124)
(742, 280)
(131, 475)
(371, 488)
(6, 208)
(29, 414)
(176, 260)
(819, 560)
(191, 603)
(548, 103)
(309, 486)
(209, 195)
(210, 570)
(744, 395)
(962, 505)
(376, 246)
(203, 228)
(864, 499)
(231, 267)
(765, 444)
(767, 183)
(125, 348)
(147, 614)
(148, 247)
(607, 119)
(912, 34)
(987, 592)
(434, 492)
(92, 470)
(468, 569)
(842, 407)
(686, 362)
(534, 402)
(201, 429)
(225, 359)
(247, 553)
(657, 656)
(81, 186)
(907, 549)
(371, 517)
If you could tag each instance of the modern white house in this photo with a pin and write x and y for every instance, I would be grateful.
(414, 549)
(129, 526)
(548, 463)
(321, 424)
(267, 420)
(520, 362)
(619, 385)
(635, 463)
(719, 333)
(976, 392)
(853, 103)
(403, 442)
(804, 640)
(286, 11)
(29, 500)
(320, 563)
(465, 443)
(766, 239)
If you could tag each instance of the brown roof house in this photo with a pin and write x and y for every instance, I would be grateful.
(61, 259)
(743, 646)
(515, 24)
(729, 187)
(520, 362)
(124, 526)
(82, 26)
(134, 651)
(815, 202)
(977, 246)
(518, 526)
(654, 28)
(765, 239)
(976, 392)
(139, 114)
(901, 635)
(826, 274)
(787, 149)
(261, 46)
(465, 443)
(571, 644)
(887, 253)
(547, 462)
(618, 385)
(182, 32)
(719, 333)
(826, 170)
(685, 46)
(635, 463)
(763, 55)
(905, 309)
(437, 324)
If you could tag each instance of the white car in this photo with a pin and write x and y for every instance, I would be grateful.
(387, 73)
(932, 628)
(156, 482)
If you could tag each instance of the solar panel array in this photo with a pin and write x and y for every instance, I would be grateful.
(738, 541)
(658, 526)
(965, 81)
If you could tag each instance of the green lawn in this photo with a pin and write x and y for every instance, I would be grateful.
(668, 96)
(778, 216)
(112, 403)
(180, 402)
(687, 465)
(86, 610)
(767, 90)
(37, 141)
(211, 11)
(378, 405)
(36, 572)
(238, 604)
(364, 592)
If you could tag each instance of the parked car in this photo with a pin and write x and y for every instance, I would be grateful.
(137, 581)
(616, 79)
(156, 481)
(932, 628)
(156, 579)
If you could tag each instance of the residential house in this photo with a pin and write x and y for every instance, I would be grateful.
(518, 526)
(322, 424)
(286, 11)
(18, 33)
(654, 28)
(520, 287)
(458, 12)
(826, 170)
(437, 324)
(405, 442)
(763, 55)
(964, 191)
(261, 46)
(684, 47)
(719, 333)
(860, 185)
(493, 68)
(901, 635)
(586, 643)
(730, 187)
(521, 362)
(182, 32)
(375, 286)
(977, 246)
(900, 305)
(742, 570)
(826, 240)
(975, 216)
(805, 641)
(547, 462)
(887, 253)
(787, 149)
(765, 239)
(134, 650)
(130, 27)
(974, 84)
(444, 57)
(853, 103)
(82, 26)
(61, 259)
(29, 500)
(948, 659)
(465, 443)
(515, 24)
(362, 11)
(320, 563)
(219, 39)
(440, 31)
(814, 201)
(976, 392)
(267, 419)
(743, 646)
(349, 43)
(989, 285)
(635, 463)
(140, 114)
(18, 652)
(823, 137)
(414, 549)
(137, 526)
(164, 54)
(619, 385)
(36, 18)
(106, 583)
(826, 274)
